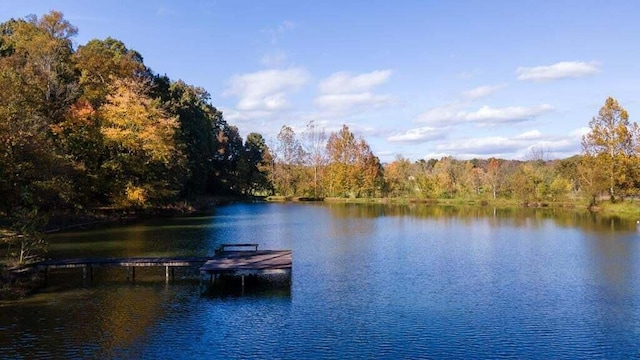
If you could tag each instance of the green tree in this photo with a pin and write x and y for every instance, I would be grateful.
(196, 133)
(254, 166)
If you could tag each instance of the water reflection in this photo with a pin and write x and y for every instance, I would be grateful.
(526, 217)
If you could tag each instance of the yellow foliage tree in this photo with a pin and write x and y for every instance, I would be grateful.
(611, 146)
(143, 155)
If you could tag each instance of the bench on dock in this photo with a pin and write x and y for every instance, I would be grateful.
(223, 247)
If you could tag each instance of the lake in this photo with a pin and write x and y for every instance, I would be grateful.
(369, 281)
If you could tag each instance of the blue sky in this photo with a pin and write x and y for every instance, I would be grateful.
(420, 79)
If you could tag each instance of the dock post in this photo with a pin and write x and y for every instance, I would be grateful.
(242, 276)
(84, 275)
(166, 273)
(128, 273)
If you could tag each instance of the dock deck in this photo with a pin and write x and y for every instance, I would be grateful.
(254, 262)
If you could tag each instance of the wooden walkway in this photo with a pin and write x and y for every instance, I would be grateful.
(88, 264)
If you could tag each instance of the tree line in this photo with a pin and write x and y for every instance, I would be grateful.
(341, 165)
(93, 126)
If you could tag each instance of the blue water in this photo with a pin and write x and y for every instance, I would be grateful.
(368, 281)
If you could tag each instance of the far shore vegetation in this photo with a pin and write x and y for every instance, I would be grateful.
(90, 131)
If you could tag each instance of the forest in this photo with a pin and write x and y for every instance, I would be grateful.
(93, 127)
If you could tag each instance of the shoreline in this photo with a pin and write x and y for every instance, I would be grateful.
(16, 284)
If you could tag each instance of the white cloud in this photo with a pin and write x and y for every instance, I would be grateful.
(418, 135)
(343, 101)
(488, 115)
(533, 134)
(515, 147)
(266, 90)
(439, 114)
(482, 91)
(345, 83)
(433, 155)
(485, 116)
(342, 91)
(481, 146)
(561, 70)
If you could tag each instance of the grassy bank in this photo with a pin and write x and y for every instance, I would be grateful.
(628, 209)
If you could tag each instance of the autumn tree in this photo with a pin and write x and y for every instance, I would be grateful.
(353, 169)
(611, 146)
(444, 175)
(144, 164)
(398, 178)
(289, 157)
(41, 49)
(314, 145)
(425, 181)
(37, 87)
(99, 62)
(493, 177)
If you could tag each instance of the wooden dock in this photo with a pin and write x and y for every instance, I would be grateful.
(234, 262)
(247, 262)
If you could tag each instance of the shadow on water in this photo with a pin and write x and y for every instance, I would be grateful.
(254, 286)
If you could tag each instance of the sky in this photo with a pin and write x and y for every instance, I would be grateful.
(418, 79)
